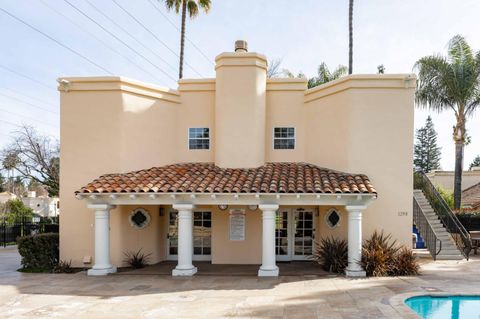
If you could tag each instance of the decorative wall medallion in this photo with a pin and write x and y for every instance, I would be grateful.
(222, 207)
(332, 218)
(139, 218)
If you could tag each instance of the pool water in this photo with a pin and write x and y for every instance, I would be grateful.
(443, 307)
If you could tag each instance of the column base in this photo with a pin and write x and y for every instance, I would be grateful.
(102, 271)
(184, 272)
(271, 272)
(356, 273)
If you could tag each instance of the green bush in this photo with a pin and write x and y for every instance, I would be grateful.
(446, 195)
(381, 256)
(40, 253)
(332, 254)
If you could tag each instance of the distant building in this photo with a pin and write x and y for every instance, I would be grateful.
(6, 196)
(445, 179)
(471, 197)
(42, 205)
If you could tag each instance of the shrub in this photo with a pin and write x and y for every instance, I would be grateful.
(64, 267)
(381, 256)
(137, 259)
(405, 263)
(446, 195)
(39, 253)
(332, 254)
(378, 254)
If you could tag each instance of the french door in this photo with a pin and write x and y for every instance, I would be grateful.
(294, 234)
(202, 235)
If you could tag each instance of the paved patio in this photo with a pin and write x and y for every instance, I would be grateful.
(159, 296)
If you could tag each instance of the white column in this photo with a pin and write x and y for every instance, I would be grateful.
(268, 267)
(102, 264)
(354, 269)
(185, 241)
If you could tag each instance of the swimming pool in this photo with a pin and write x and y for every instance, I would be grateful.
(443, 307)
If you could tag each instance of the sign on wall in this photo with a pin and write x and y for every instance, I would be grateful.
(237, 224)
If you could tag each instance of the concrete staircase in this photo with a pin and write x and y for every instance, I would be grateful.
(449, 250)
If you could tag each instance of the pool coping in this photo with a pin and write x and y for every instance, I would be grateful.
(398, 301)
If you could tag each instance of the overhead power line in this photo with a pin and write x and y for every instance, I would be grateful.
(28, 96)
(118, 39)
(179, 30)
(29, 118)
(26, 77)
(131, 35)
(153, 34)
(28, 103)
(82, 28)
(55, 40)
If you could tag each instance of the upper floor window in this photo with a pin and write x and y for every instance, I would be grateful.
(284, 138)
(199, 138)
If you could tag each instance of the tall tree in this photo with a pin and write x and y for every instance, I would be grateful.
(36, 157)
(475, 163)
(192, 7)
(350, 37)
(427, 153)
(451, 83)
(2, 183)
(324, 75)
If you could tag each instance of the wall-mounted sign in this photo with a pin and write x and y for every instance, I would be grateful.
(237, 224)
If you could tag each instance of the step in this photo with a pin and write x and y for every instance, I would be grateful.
(449, 257)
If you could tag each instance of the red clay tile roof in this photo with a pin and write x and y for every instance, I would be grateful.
(208, 178)
(471, 196)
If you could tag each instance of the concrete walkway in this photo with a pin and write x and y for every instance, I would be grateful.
(154, 296)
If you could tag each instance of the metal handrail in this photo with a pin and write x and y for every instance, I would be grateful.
(426, 230)
(459, 234)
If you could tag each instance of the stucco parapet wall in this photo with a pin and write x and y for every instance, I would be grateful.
(116, 83)
(240, 59)
(362, 81)
(196, 85)
(286, 84)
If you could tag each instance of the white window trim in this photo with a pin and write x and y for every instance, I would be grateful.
(294, 138)
(202, 138)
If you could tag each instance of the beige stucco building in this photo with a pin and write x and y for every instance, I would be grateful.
(235, 169)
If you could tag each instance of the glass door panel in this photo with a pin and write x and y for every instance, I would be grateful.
(303, 233)
(282, 249)
(202, 235)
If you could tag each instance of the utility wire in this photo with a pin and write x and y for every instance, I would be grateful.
(28, 96)
(16, 125)
(29, 118)
(153, 34)
(56, 41)
(118, 39)
(99, 40)
(28, 103)
(131, 35)
(26, 77)
(178, 29)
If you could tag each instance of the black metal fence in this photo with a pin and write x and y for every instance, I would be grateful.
(9, 231)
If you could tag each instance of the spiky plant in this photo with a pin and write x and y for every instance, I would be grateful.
(332, 254)
(137, 259)
(378, 254)
(406, 264)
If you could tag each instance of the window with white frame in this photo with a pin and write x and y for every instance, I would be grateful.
(284, 138)
(199, 138)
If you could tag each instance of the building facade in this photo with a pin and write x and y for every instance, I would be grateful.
(238, 169)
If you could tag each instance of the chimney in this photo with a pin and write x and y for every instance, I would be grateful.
(240, 108)
(241, 46)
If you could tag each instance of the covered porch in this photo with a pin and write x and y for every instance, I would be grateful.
(287, 195)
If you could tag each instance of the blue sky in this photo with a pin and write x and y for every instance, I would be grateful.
(301, 33)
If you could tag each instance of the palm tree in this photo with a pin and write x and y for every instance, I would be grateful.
(192, 7)
(451, 83)
(350, 37)
(324, 75)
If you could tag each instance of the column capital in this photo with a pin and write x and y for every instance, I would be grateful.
(180, 207)
(268, 207)
(101, 206)
(355, 208)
